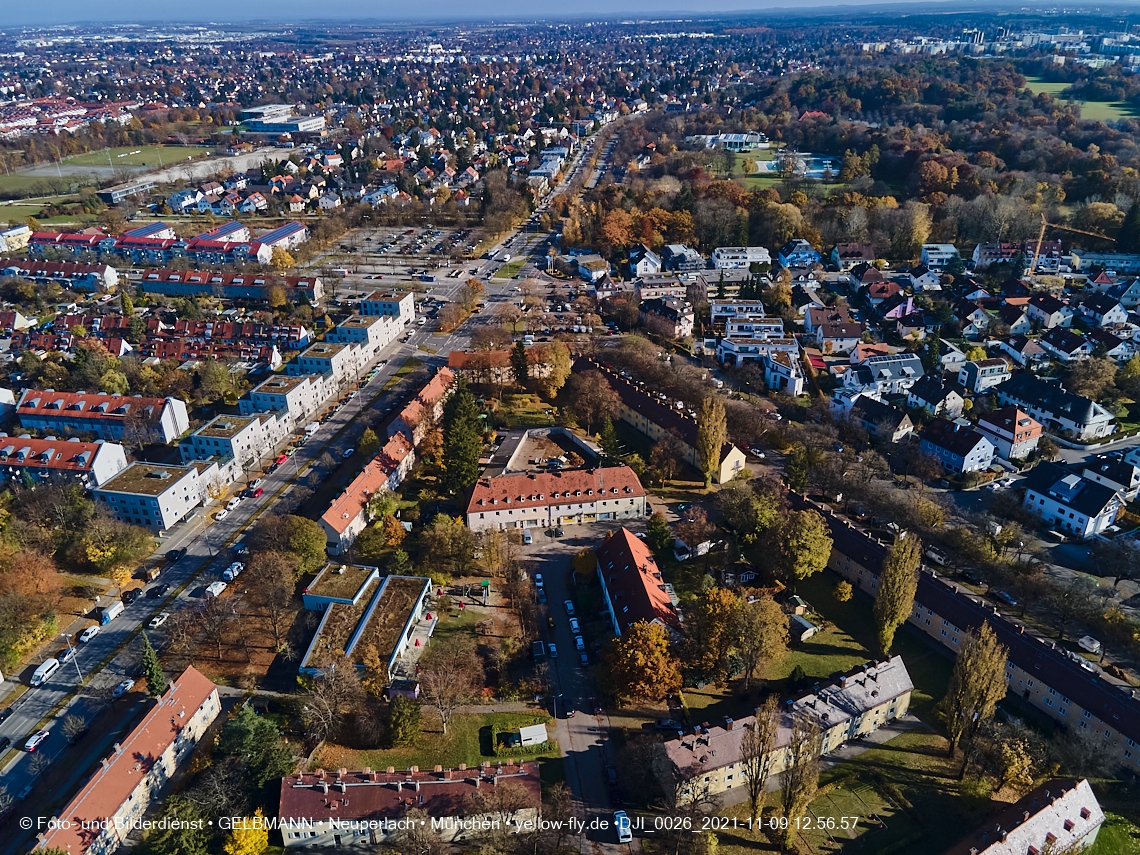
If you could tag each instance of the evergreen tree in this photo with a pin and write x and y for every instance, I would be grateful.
(184, 833)
(126, 303)
(405, 721)
(152, 670)
(463, 441)
(720, 292)
(520, 367)
(659, 537)
(607, 438)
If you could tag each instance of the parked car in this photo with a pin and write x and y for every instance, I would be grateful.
(553, 648)
(131, 595)
(158, 620)
(36, 739)
(123, 688)
(574, 626)
(175, 554)
(233, 503)
(621, 825)
(348, 452)
(1005, 597)
(579, 643)
(558, 532)
(538, 580)
(89, 633)
(255, 483)
(221, 515)
(569, 607)
(67, 654)
(668, 724)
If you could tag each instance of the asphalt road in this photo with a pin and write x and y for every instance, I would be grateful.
(209, 550)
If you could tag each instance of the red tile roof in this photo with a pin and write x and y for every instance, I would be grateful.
(105, 793)
(541, 489)
(390, 795)
(634, 581)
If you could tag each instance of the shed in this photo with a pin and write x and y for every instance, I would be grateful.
(801, 629)
(535, 734)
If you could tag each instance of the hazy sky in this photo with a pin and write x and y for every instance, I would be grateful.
(13, 12)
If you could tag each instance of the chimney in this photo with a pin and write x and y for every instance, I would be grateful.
(447, 775)
(118, 747)
(462, 767)
(367, 770)
(340, 773)
(438, 768)
(728, 724)
(1025, 816)
(391, 770)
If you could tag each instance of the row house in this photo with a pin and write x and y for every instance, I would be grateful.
(236, 443)
(343, 362)
(51, 459)
(68, 274)
(184, 350)
(1038, 671)
(711, 760)
(230, 286)
(547, 499)
(348, 515)
(104, 416)
(299, 397)
(654, 418)
(425, 410)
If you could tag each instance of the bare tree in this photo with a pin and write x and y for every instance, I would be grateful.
(73, 727)
(450, 677)
(758, 750)
(332, 693)
(801, 777)
(273, 578)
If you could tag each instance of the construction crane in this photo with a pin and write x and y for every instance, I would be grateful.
(1041, 237)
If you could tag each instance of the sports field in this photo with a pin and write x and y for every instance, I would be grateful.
(146, 156)
(1096, 111)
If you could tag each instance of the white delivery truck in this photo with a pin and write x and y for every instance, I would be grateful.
(109, 613)
(311, 428)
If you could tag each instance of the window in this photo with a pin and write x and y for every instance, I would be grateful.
(1084, 725)
(1048, 702)
(1086, 714)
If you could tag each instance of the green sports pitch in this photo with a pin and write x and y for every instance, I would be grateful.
(145, 156)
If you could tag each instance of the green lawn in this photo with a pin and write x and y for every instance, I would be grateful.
(525, 410)
(147, 156)
(1118, 836)
(410, 365)
(1097, 111)
(511, 268)
(468, 740)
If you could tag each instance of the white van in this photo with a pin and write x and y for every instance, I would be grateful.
(526, 537)
(44, 672)
(233, 571)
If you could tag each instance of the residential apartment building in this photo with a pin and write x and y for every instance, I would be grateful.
(937, 255)
(91, 463)
(69, 274)
(979, 376)
(347, 516)
(105, 416)
(1056, 409)
(399, 304)
(425, 409)
(654, 418)
(342, 361)
(1058, 816)
(892, 374)
(1120, 262)
(101, 815)
(684, 259)
(1069, 502)
(298, 397)
(847, 255)
(782, 372)
(959, 449)
(230, 286)
(1119, 475)
(739, 257)
(1015, 434)
(740, 351)
(880, 420)
(1038, 671)
(798, 253)
(857, 704)
(661, 286)
(632, 585)
(723, 311)
(369, 804)
(237, 443)
(369, 333)
(544, 499)
(156, 496)
(667, 316)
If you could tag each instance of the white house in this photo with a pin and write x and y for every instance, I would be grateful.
(739, 257)
(958, 448)
(982, 375)
(937, 255)
(1070, 503)
(1055, 408)
(399, 304)
(1050, 312)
